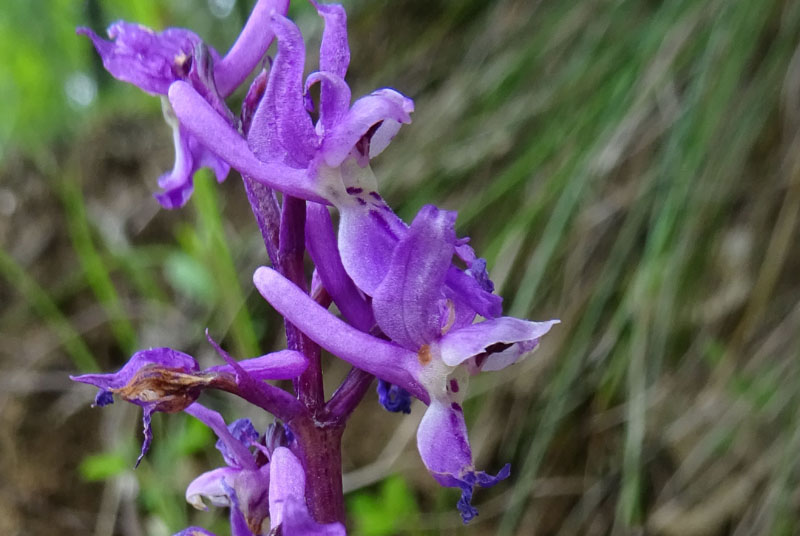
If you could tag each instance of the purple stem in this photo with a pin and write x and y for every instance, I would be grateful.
(308, 385)
(320, 451)
(267, 213)
(349, 394)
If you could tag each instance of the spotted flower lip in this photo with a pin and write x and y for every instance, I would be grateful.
(166, 380)
(431, 336)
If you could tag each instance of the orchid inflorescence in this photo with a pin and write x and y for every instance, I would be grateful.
(417, 305)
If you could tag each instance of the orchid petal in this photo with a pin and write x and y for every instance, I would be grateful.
(473, 293)
(251, 490)
(509, 335)
(444, 448)
(242, 431)
(406, 302)
(209, 485)
(238, 452)
(281, 365)
(321, 245)
(334, 52)
(212, 131)
(144, 58)
(249, 48)
(287, 503)
(393, 398)
(165, 358)
(334, 99)
(383, 359)
(367, 237)
(282, 129)
(190, 156)
(380, 105)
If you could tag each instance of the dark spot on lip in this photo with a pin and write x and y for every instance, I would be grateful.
(497, 347)
(456, 407)
(354, 190)
(361, 201)
(454, 386)
(376, 195)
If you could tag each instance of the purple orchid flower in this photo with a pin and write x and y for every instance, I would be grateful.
(434, 342)
(166, 380)
(152, 61)
(288, 511)
(243, 484)
(253, 489)
(326, 162)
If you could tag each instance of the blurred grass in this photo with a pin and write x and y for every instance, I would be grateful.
(628, 166)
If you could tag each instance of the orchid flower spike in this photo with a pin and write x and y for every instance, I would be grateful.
(152, 61)
(166, 380)
(434, 342)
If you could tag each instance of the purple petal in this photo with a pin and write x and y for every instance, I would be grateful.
(148, 60)
(334, 52)
(472, 293)
(334, 58)
(164, 357)
(394, 398)
(383, 359)
(287, 503)
(444, 448)
(244, 432)
(508, 337)
(190, 156)
(367, 238)
(249, 48)
(238, 452)
(321, 244)
(334, 99)
(406, 303)
(211, 485)
(147, 414)
(252, 496)
(381, 105)
(282, 129)
(214, 132)
(281, 365)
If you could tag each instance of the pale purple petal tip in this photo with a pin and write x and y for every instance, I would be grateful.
(366, 112)
(507, 336)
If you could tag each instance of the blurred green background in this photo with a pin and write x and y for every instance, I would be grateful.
(629, 166)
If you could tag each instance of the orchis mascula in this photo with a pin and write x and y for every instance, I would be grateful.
(417, 306)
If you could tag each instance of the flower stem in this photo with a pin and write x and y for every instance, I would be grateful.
(321, 453)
